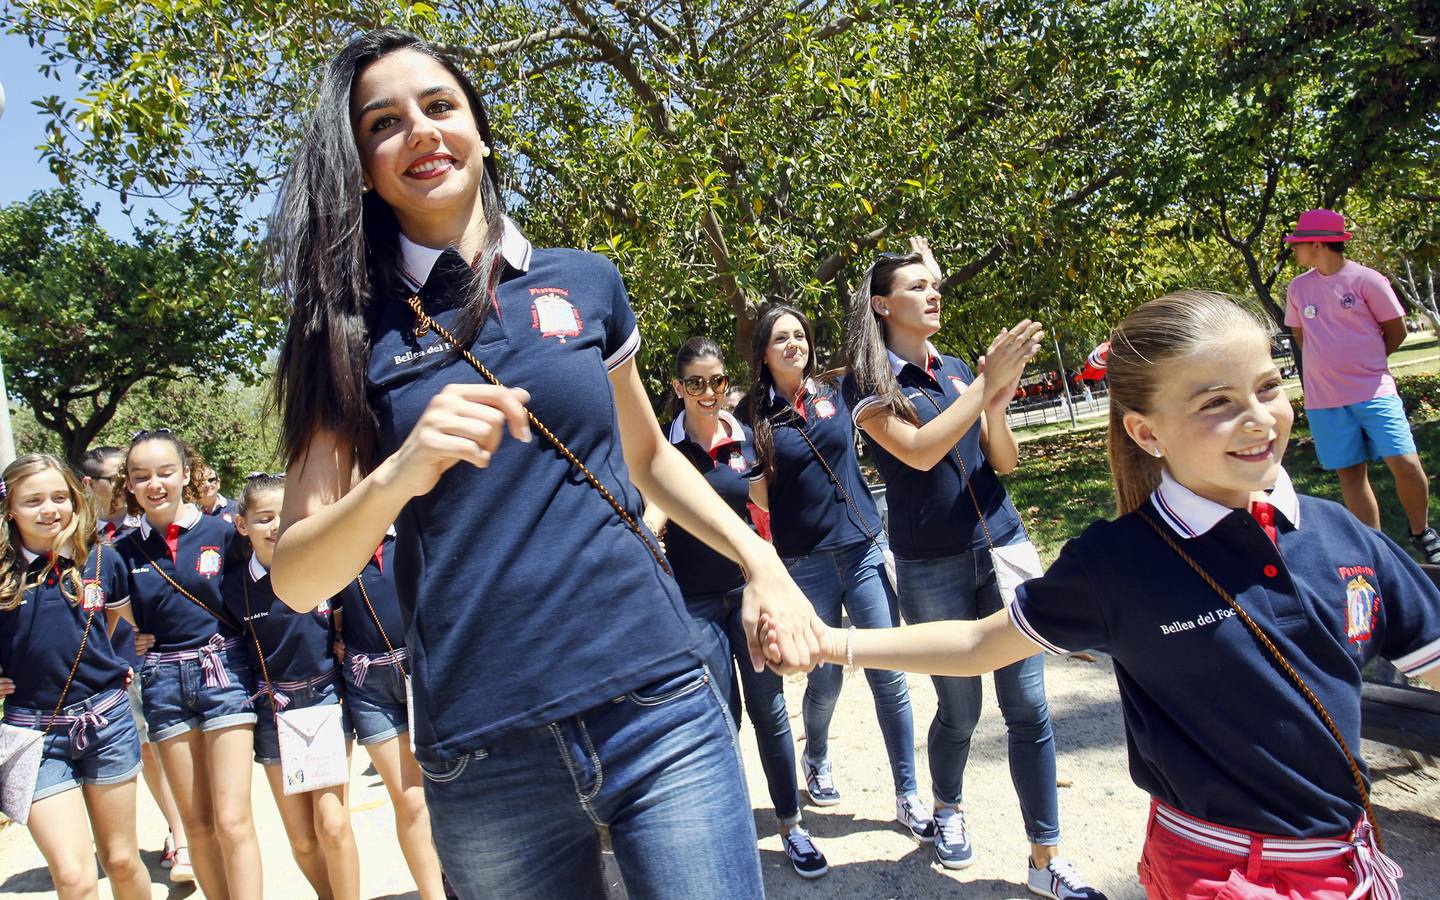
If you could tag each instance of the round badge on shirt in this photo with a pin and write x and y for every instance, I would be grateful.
(1310, 312)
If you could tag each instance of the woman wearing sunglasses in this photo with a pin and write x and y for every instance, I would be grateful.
(724, 451)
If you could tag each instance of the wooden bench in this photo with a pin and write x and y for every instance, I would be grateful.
(1400, 715)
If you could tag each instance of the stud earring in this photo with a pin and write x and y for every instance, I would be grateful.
(1156, 451)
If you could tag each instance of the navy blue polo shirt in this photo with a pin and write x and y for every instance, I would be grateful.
(931, 513)
(40, 637)
(527, 598)
(226, 509)
(296, 644)
(808, 510)
(202, 545)
(729, 467)
(1214, 727)
(358, 629)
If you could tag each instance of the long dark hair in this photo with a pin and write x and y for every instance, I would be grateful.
(124, 501)
(698, 347)
(755, 407)
(335, 251)
(866, 355)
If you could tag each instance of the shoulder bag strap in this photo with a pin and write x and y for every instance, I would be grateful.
(250, 626)
(1285, 666)
(184, 593)
(365, 595)
(965, 477)
(84, 639)
(427, 324)
(860, 519)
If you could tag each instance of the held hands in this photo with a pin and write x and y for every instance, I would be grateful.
(831, 641)
(1004, 362)
(464, 422)
(792, 632)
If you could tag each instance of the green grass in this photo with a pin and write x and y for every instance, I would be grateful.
(1063, 482)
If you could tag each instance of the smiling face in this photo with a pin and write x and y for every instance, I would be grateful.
(261, 523)
(708, 403)
(1220, 418)
(913, 304)
(207, 484)
(157, 477)
(788, 350)
(41, 507)
(419, 144)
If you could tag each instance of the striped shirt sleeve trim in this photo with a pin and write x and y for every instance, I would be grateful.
(628, 349)
(116, 604)
(860, 408)
(1017, 618)
(1422, 660)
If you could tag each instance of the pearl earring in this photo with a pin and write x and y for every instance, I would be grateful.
(1156, 451)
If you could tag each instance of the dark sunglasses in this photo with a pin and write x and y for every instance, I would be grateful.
(695, 385)
(215, 480)
(254, 475)
(147, 432)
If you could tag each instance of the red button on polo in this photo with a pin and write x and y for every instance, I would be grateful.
(1271, 571)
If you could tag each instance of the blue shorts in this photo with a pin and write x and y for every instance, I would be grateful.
(377, 705)
(176, 698)
(267, 738)
(1349, 435)
(111, 754)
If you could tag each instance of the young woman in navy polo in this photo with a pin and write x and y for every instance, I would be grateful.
(938, 435)
(556, 679)
(723, 449)
(1253, 795)
(197, 679)
(372, 652)
(828, 531)
(62, 676)
(302, 673)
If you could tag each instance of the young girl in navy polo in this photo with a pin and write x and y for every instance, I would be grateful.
(556, 680)
(1255, 793)
(938, 434)
(302, 673)
(723, 449)
(63, 677)
(197, 680)
(827, 529)
(375, 663)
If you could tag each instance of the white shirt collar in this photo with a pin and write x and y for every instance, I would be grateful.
(1192, 515)
(896, 363)
(677, 427)
(257, 570)
(188, 516)
(390, 531)
(810, 388)
(31, 557)
(417, 261)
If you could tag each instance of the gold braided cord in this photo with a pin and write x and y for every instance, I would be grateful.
(427, 324)
(365, 595)
(1289, 670)
(84, 639)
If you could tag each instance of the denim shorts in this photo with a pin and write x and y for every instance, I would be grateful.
(267, 738)
(377, 705)
(111, 754)
(176, 698)
(1349, 435)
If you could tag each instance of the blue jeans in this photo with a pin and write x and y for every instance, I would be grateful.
(659, 766)
(963, 587)
(854, 577)
(718, 618)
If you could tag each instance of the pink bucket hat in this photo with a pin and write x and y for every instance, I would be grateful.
(1320, 225)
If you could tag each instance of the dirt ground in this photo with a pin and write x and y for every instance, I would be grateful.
(1102, 813)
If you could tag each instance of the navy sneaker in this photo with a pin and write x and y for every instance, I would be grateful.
(820, 784)
(952, 839)
(911, 812)
(1428, 543)
(1059, 881)
(806, 858)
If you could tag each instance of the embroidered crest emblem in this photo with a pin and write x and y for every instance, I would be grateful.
(1347, 301)
(824, 408)
(94, 600)
(1362, 601)
(737, 462)
(554, 316)
(208, 562)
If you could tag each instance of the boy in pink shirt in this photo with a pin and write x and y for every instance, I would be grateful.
(1347, 321)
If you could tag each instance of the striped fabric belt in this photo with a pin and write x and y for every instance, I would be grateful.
(211, 662)
(91, 718)
(360, 663)
(1377, 875)
(281, 690)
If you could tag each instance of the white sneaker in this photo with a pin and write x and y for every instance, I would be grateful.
(804, 856)
(912, 812)
(1059, 881)
(182, 872)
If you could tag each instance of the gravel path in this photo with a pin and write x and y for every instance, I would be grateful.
(1102, 813)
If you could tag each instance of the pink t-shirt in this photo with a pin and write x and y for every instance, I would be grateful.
(1339, 316)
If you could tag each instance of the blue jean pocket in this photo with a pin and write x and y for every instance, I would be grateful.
(449, 769)
(673, 687)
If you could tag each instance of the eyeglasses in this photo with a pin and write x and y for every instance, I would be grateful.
(695, 385)
(213, 480)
